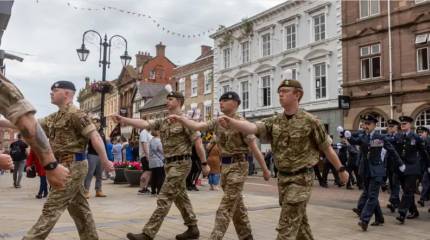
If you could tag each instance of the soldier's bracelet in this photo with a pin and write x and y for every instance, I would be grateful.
(51, 166)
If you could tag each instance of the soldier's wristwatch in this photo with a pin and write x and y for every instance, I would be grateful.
(204, 163)
(51, 166)
(341, 169)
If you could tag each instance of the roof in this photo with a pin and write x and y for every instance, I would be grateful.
(158, 100)
(148, 90)
(209, 53)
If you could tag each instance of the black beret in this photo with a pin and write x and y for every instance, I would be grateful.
(422, 129)
(406, 119)
(230, 96)
(370, 118)
(290, 83)
(176, 95)
(64, 85)
(393, 122)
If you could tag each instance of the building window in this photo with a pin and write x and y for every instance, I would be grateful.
(293, 68)
(320, 80)
(266, 96)
(244, 89)
(423, 118)
(245, 52)
(194, 85)
(226, 57)
(369, 8)
(182, 86)
(208, 111)
(370, 61)
(265, 40)
(225, 88)
(290, 36)
(319, 27)
(152, 75)
(208, 82)
(422, 41)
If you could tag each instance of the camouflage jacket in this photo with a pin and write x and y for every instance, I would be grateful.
(296, 142)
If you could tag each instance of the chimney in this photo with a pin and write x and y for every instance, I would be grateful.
(160, 49)
(142, 58)
(87, 82)
(205, 50)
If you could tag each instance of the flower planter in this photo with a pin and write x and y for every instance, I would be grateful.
(133, 176)
(119, 176)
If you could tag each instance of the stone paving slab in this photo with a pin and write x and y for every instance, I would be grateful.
(124, 211)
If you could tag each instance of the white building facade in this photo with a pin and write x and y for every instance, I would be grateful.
(304, 36)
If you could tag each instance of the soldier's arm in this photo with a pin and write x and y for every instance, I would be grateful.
(7, 124)
(423, 152)
(200, 149)
(242, 126)
(99, 146)
(137, 123)
(260, 159)
(392, 152)
(188, 123)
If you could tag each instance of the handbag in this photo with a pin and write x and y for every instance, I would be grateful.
(32, 172)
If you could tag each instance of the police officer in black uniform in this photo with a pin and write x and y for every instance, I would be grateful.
(392, 172)
(411, 149)
(374, 147)
(423, 132)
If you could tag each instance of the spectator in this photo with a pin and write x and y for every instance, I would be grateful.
(32, 160)
(18, 152)
(144, 138)
(215, 166)
(109, 147)
(116, 151)
(128, 149)
(156, 163)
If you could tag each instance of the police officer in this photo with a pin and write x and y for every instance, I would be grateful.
(348, 155)
(374, 147)
(69, 130)
(392, 172)
(20, 114)
(234, 146)
(177, 142)
(411, 149)
(425, 181)
(296, 138)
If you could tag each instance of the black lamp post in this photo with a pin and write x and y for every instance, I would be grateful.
(104, 61)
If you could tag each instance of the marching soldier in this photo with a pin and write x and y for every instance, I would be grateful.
(425, 181)
(411, 149)
(177, 142)
(374, 147)
(20, 114)
(68, 131)
(234, 146)
(296, 137)
(392, 173)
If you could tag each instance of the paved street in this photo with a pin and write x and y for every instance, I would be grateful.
(124, 211)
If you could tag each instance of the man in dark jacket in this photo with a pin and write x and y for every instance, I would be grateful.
(18, 152)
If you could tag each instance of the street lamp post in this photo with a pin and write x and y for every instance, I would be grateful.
(104, 61)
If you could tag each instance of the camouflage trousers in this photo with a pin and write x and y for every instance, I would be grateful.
(233, 177)
(172, 191)
(71, 198)
(294, 194)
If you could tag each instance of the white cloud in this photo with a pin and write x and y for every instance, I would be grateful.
(50, 31)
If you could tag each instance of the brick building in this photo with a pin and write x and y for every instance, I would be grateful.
(195, 81)
(368, 53)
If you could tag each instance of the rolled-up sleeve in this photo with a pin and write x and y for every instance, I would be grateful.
(321, 138)
(264, 130)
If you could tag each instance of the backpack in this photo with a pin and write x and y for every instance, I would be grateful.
(16, 152)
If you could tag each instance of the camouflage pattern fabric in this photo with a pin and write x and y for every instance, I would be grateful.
(176, 139)
(71, 198)
(68, 130)
(231, 141)
(296, 142)
(233, 177)
(12, 103)
(172, 191)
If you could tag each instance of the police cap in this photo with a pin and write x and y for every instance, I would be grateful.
(406, 119)
(393, 122)
(369, 118)
(422, 129)
(64, 85)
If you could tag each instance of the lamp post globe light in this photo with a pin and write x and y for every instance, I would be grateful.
(104, 61)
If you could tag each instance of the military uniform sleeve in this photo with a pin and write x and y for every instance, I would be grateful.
(264, 129)
(423, 151)
(43, 124)
(211, 125)
(82, 123)
(320, 137)
(194, 135)
(392, 152)
(155, 124)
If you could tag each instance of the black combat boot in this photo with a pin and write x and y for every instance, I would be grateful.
(140, 236)
(191, 233)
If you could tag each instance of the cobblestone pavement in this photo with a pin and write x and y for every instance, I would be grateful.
(124, 211)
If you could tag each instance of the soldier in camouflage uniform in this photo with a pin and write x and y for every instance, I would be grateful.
(234, 146)
(68, 131)
(177, 142)
(296, 138)
(20, 114)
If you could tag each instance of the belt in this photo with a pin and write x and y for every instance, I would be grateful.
(300, 171)
(69, 157)
(233, 159)
(177, 158)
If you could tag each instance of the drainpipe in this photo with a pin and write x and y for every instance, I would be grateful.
(390, 64)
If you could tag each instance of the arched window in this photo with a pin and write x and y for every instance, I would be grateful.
(423, 118)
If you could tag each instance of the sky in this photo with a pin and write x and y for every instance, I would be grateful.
(46, 33)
